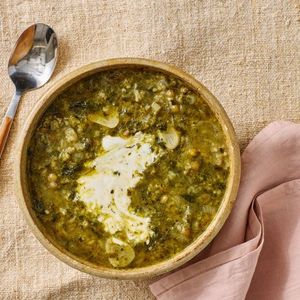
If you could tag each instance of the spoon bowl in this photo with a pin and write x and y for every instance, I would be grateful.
(30, 66)
(34, 57)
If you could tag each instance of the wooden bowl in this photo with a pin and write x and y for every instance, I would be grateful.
(180, 258)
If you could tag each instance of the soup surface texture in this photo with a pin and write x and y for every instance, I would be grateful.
(127, 167)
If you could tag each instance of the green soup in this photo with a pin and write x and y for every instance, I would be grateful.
(127, 167)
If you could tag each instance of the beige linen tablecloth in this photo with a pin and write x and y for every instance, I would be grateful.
(245, 51)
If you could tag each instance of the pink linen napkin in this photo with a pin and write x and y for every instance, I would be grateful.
(256, 255)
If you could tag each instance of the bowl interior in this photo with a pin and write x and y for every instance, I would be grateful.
(180, 258)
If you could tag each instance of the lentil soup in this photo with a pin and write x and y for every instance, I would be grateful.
(127, 167)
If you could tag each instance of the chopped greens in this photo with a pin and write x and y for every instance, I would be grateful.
(179, 193)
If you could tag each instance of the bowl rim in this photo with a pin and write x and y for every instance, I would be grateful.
(181, 257)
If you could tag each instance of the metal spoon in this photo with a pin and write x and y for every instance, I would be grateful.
(30, 67)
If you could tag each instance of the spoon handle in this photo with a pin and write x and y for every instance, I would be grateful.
(8, 119)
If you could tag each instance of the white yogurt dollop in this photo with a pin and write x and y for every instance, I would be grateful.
(117, 170)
